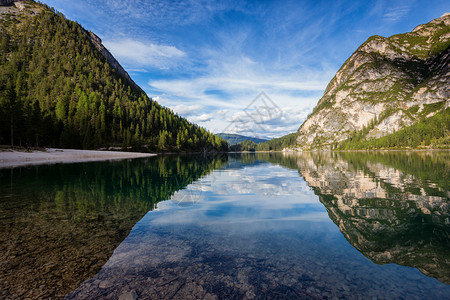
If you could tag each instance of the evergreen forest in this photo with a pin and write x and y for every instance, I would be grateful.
(276, 144)
(58, 90)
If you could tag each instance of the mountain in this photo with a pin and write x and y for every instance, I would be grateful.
(386, 85)
(233, 139)
(60, 87)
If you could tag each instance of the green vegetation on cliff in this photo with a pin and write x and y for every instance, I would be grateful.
(57, 89)
(429, 132)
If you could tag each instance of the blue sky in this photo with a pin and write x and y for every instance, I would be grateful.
(209, 60)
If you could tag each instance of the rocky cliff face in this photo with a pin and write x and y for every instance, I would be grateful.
(388, 83)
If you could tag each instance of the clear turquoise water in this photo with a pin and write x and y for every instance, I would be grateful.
(265, 226)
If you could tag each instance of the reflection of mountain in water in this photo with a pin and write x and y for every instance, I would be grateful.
(393, 207)
(59, 224)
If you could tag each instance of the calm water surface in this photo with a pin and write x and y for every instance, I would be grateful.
(265, 226)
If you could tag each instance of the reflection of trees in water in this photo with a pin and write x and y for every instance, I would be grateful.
(272, 157)
(59, 224)
(393, 206)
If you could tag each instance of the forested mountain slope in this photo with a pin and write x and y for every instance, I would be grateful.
(58, 87)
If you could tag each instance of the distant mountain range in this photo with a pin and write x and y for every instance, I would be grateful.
(233, 139)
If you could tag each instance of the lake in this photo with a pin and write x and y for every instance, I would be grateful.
(238, 226)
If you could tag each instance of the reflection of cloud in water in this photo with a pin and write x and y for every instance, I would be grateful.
(259, 182)
(254, 194)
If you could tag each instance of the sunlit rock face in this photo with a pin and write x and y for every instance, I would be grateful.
(388, 82)
(385, 208)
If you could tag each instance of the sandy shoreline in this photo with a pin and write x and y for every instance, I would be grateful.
(10, 159)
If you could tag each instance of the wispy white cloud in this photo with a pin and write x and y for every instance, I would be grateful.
(202, 118)
(232, 84)
(241, 118)
(166, 13)
(288, 120)
(187, 110)
(395, 14)
(200, 86)
(133, 53)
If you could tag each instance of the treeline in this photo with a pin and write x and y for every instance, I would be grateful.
(433, 131)
(246, 145)
(277, 144)
(57, 89)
